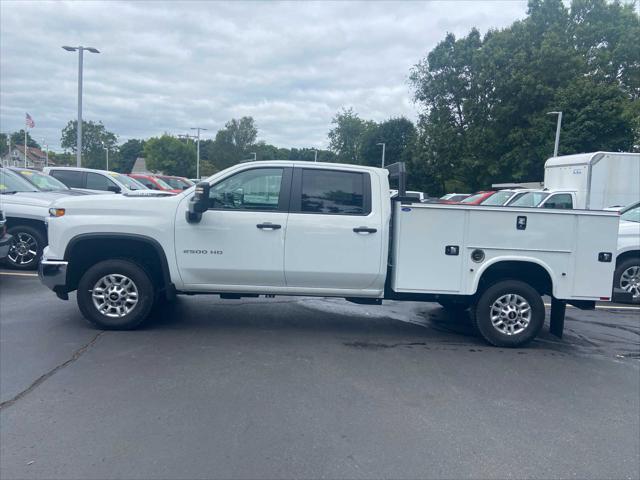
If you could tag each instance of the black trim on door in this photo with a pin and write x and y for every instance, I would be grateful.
(295, 205)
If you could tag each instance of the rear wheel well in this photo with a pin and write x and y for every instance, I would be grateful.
(84, 253)
(627, 255)
(528, 272)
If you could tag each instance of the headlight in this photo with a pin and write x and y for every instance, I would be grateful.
(56, 212)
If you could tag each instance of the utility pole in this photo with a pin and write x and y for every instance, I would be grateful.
(557, 144)
(80, 51)
(384, 147)
(198, 151)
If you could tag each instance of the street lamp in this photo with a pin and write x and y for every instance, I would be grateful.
(106, 149)
(315, 155)
(198, 151)
(555, 148)
(80, 50)
(46, 153)
(384, 147)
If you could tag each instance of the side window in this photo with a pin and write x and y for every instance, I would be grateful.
(70, 178)
(561, 201)
(147, 183)
(256, 189)
(334, 192)
(95, 181)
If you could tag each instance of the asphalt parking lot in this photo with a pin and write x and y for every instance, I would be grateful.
(310, 388)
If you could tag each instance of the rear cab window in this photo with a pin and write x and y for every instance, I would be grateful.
(331, 192)
(70, 178)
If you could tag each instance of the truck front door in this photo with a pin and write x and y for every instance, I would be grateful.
(240, 239)
(335, 234)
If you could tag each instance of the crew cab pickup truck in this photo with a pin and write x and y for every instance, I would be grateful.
(321, 229)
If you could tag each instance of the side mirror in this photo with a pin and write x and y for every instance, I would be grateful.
(199, 203)
(114, 189)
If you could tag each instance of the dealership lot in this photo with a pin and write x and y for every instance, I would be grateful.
(300, 387)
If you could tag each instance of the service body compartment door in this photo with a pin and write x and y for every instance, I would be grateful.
(428, 249)
(335, 235)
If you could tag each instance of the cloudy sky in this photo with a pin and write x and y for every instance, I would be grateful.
(165, 67)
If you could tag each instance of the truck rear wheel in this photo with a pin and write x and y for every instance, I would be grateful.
(115, 295)
(509, 313)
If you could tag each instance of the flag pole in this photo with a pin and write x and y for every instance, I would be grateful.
(25, 145)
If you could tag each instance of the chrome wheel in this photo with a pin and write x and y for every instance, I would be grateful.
(115, 295)
(24, 249)
(510, 314)
(630, 281)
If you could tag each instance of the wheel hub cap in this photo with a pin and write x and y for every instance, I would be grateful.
(115, 295)
(510, 314)
(630, 281)
(24, 249)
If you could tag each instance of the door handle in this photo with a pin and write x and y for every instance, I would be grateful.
(267, 225)
(365, 230)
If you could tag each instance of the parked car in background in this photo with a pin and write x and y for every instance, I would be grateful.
(5, 238)
(563, 200)
(501, 197)
(154, 183)
(26, 210)
(627, 274)
(410, 194)
(455, 197)
(178, 183)
(477, 198)
(100, 181)
(596, 180)
(44, 182)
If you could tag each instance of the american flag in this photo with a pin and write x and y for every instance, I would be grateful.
(29, 121)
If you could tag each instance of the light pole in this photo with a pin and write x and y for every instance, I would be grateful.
(106, 149)
(198, 151)
(46, 155)
(315, 155)
(80, 50)
(384, 147)
(555, 148)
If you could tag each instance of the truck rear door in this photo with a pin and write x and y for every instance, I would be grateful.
(335, 233)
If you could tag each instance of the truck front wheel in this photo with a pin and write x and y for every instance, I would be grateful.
(509, 313)
(115, 295)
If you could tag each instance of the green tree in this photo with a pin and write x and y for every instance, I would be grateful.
(17, 138)
(232, 144)
(171, 156)
(345, 139)
(4, 144)
(484, 100)
(126, 155)
(398, 135)
(95, 138)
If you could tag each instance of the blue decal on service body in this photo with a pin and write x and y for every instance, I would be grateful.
(406, 209)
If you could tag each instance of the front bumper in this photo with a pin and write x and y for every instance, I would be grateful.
(5, 245)
(53, 273)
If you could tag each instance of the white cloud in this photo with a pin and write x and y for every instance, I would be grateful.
(170, 66)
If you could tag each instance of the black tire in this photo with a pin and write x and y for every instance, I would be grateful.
(623, 267)
(117, 269)
(496, 335)
(26, 239)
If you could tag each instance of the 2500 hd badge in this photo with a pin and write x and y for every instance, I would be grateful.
(203, 252)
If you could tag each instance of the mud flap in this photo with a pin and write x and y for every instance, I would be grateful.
(556, 322)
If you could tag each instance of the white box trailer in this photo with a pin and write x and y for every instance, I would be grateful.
(599, 179)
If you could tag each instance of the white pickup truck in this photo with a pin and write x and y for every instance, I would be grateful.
(320, 229)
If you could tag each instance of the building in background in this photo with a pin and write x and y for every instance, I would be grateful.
(36, 158)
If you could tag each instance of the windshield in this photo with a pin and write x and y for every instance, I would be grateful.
(498, 198)
(177, 183)
(130, 183)
(632, 215)
(473, 198)
(530, 199)
(164, 184)
(11, 183)
(43, 182)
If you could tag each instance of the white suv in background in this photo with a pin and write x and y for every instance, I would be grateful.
(627, 274)
(100, 181)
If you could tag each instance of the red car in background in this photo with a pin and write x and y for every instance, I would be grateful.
(477, 198)
(154, 183)
(179, 183)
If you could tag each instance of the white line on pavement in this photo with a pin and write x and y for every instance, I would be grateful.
(603, 307)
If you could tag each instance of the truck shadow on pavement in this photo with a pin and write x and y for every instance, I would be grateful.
(400, 325)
